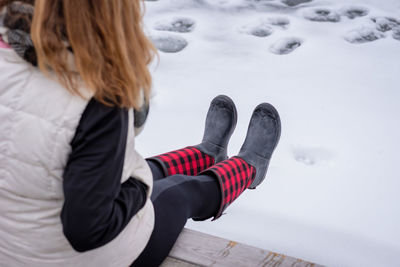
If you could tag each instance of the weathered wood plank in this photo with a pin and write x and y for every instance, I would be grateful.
(172, 262)
(199, 249)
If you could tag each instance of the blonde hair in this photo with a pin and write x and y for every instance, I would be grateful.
(110, 50)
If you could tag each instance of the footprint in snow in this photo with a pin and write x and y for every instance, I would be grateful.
(396, 33)
(353, 12)
(363, 35)
(181, 25)
(262, 31)
(385, 24)
(169, 43)
(281, 22)
(321, 15)
(286, 46)
(312, 156)
(294, 2)
(259, 29)
(263, 27)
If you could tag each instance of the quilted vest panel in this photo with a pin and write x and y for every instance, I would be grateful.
(38, 120)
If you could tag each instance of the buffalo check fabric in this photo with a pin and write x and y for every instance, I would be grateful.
(234, 175)
(187, 161)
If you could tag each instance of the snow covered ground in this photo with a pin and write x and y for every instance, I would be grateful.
(332, 69)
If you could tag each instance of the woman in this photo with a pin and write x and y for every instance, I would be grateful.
(74, 93)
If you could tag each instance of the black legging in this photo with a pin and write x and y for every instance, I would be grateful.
(175, 199)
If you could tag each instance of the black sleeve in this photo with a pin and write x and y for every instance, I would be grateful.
(97, 206)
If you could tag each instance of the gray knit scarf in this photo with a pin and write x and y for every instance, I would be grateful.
(15, 26)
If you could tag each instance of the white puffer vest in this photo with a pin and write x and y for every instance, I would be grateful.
(38, 118)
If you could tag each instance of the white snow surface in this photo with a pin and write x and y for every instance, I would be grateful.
(332, 192)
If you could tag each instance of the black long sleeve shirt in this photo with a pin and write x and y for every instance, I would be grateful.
(97, 206)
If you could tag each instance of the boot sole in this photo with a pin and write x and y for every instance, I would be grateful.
(201, 146)
(271, 110)
(232, 104)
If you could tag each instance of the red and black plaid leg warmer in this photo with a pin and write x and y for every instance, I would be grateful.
(234, 176)
(187, 161)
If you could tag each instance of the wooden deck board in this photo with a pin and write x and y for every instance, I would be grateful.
(198, 249)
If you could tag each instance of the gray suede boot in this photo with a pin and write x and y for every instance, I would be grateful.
(220, 122)
(262, 137)
(191, 160)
